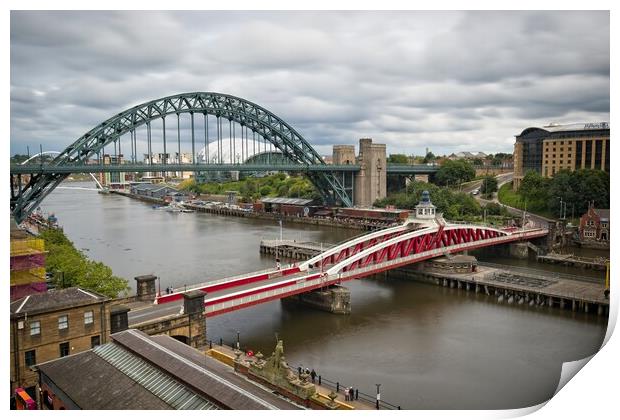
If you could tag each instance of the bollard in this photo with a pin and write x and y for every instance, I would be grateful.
(319, 379)
(337, 386)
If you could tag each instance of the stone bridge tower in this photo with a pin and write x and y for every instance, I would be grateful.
(371, 180)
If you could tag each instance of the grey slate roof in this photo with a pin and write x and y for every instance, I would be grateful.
(55, 299)
(152, 379)
(137, 371)
(94, 384)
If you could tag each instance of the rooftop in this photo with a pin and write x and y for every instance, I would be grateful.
(283, 200)
(602, 213)
(55, 299)
(154, 373)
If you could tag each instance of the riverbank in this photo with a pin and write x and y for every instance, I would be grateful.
(226, 210)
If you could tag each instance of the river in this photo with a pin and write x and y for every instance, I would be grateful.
(429, 347)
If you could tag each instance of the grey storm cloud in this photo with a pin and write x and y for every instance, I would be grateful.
(449, 81)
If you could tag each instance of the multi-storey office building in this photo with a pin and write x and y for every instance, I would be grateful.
(552, 148)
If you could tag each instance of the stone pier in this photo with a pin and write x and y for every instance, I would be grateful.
(334, 299)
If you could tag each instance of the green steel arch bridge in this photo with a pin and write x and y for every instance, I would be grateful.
(218, 132)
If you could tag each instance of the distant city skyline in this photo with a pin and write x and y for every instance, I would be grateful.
(449, 81)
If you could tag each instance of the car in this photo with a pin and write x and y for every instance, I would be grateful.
(475, 192)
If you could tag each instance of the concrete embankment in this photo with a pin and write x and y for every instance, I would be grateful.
(237, 212)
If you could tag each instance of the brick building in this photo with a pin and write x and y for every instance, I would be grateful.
(54, 324)
(594, 225)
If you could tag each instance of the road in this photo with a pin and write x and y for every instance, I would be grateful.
(504, 179)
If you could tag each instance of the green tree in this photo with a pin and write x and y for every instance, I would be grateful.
(76, 269)
(398, 159)
(430, 157)
(533, 188)
(489, 185)
(265, 190)
(454, 172)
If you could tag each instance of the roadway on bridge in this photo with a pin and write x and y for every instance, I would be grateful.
(151, 312)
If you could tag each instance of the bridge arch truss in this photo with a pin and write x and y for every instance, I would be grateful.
(253, 120)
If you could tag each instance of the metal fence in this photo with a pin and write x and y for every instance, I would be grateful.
(320, 379)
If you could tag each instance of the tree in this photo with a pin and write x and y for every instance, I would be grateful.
(577, 189)
(454, 172)
(430, 157)
(77, 269)
(398, 159)
(489, 185)
(265, 190)
(534, 187)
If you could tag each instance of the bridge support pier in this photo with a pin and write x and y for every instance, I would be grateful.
(334, 299)
(519, 250)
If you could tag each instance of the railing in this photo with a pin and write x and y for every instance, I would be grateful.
(237, 277)
(336, 386)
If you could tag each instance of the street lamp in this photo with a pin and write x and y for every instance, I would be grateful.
(378, 395)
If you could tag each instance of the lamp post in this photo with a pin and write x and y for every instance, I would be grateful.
(378, 395)
(238, 346)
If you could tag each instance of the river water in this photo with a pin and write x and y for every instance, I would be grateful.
(429, 347)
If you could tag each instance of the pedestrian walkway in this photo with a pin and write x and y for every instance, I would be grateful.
(323, 390)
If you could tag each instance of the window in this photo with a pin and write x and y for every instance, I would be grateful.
(30, 357)
(64, 349)
(569, 155)
(88, 317)
(35, 328)
(95, 340)
(63, 322)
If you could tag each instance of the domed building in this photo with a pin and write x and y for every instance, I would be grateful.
(425, 209)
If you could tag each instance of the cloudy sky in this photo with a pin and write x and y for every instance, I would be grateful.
(450, 81)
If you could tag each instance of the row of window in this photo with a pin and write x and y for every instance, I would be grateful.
(553, 156)
(30, 356)
(63, 323)
(589, 233)
(570, 149)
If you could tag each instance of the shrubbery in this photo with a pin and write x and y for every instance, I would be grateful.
(77, 269)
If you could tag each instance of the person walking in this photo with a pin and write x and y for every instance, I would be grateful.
(313, 375)
(346, 394)
(351, 394)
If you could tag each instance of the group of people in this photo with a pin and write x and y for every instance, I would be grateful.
(350, 393)
(169, 290)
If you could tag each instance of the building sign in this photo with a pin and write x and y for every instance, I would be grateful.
(594, 126)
